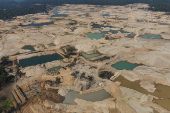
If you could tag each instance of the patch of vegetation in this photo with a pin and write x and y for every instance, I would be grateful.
(7, 106)
(18, 73)
(3, 74)
(70, 50)
(69, 54)
(106, 74)
(73, 28)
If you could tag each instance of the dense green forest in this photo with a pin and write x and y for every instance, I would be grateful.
(11, 8)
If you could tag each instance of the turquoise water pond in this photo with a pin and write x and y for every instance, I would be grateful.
(35, 24)
(39, 60)
(122, 31)
(124, 65)
(151, 35)
(93, 96)
(95, 36)
(112, 31)
(52, 69)
(60, 15)
(51, 44)
(105, 15)
(89, 55)
(29, 48)
(132, 35)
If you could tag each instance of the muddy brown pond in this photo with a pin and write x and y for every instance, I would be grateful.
(161, 91)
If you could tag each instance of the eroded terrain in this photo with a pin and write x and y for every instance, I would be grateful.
(86, 58)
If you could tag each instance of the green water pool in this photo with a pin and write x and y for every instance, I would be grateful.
(124, 65)
(52, 69)
(151, 35)
(89, 55)
(95, 36)
(28, 48)
(39, 60)
(51, 44)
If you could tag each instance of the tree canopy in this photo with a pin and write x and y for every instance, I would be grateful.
(11, 8)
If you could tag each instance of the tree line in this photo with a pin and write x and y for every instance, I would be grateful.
(11, 8)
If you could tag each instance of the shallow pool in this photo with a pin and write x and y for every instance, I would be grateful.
(161, 91)
(93, 96)
(29, 48)
(151, 35)
(112, 31)
(105, 15)
(131, 35)
(60, 15)
(99, 26)
(51, 44)
(52, 69)
(35, 24)
(122, 31)
(124, 65)
(39, 60)
(89, 55)
(163, 102)
(95, 36)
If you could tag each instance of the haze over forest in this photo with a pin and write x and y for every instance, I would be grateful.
(12, 8)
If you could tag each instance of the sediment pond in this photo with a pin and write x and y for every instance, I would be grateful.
(131, 35)
(28, 47)
(122, 31)
(99, 26)
(54, 68)
(105, 15)
(60, 15)
(112, 31)
(93, 96)
(89, 55)
(124, 65)
(95, 36)
(150, 36)
(165, 103)
(161, 91)
(51, 44)
(35, 24)
(40, 60)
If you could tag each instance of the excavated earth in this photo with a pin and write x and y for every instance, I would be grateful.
(100, 40)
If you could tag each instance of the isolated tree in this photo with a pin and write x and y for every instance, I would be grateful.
(4, 60)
